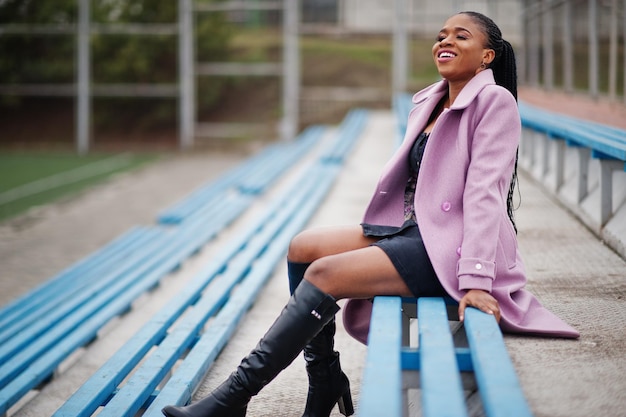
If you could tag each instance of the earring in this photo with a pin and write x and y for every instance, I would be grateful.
(482, 65)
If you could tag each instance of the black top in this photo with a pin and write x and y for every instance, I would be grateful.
(415, 160)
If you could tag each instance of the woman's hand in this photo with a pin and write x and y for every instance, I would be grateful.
(482, 300)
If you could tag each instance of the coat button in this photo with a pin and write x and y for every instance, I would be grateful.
(458, 251)
(479, 266)
(446, 206)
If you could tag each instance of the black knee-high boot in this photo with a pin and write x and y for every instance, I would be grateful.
(328, 385)
(308, 310)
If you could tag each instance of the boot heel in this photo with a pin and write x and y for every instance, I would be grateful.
(345, 404)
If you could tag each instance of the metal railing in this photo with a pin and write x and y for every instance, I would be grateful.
(581, 163)
(183, 89)
(573, 45)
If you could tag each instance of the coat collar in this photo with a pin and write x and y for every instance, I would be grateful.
(465, 97)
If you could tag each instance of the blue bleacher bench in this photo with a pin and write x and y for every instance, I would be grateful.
(253, 176)
(440, 363)
(605, 142)
(41, 329)
(166, 360)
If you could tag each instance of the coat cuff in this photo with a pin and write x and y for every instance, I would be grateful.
(476, 274)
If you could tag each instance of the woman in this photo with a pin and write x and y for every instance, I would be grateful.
(461, 139)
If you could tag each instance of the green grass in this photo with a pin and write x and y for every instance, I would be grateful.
(27, 179)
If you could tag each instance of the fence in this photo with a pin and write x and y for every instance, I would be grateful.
(575, 45)
(83, 90)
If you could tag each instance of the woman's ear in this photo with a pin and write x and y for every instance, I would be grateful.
(488, 56)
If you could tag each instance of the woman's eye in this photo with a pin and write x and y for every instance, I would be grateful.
(440, 38)
(461, 37)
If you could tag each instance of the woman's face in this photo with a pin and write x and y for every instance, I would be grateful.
(460, 49)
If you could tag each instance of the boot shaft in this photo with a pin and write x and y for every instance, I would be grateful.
(307, 312)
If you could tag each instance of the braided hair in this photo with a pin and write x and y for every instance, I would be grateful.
(505, 74)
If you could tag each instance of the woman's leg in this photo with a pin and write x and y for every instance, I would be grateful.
(328, 385)
(343, 264)
(362, 271)
(313, 244)
(306, 313)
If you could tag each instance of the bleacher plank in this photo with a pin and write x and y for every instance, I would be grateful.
(350, 128)
(381, 387)
(253, 176)
(43, 299)
(442, 391)
(279, 163)
(500, 391)
(440, 363)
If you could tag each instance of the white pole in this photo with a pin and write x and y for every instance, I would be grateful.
(83, 76)
(548, 46)
(568, 48)
(593, 48)
(613, 51)
(400, 49)
(291, 70)
(186, 74)
(533, 48)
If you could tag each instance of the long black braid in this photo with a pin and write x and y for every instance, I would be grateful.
(505, 73)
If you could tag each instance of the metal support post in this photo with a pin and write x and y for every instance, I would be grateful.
(593, 48)
(568, 48)
(291, 70)
(400, 50)
(533, 48)
(613, 51)
(83, 76)
(186, 74)
(548, 46)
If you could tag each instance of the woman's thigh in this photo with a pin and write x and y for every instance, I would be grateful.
(314, 244)
(359, 273)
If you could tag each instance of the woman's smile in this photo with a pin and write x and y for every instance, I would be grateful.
(445, 55)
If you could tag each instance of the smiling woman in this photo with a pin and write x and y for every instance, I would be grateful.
(453, 175)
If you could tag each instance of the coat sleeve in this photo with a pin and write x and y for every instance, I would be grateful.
(492, 158)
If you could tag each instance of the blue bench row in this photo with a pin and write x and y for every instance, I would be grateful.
(41, 329)
(253, 177)
(605, 142)
(440, 363)
(581, 162)
(178, 334)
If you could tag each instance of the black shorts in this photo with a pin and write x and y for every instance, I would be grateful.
(405, 248)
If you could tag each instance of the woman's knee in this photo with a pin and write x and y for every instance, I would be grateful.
(302, 247)
(320, 273)
(313, 244)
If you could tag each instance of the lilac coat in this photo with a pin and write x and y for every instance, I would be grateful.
(460, 203)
